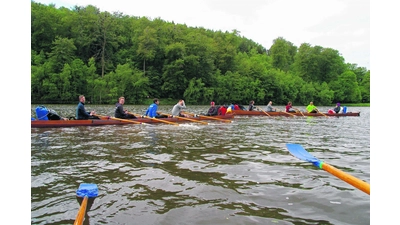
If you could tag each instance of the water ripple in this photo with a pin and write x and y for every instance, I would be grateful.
(221, 173)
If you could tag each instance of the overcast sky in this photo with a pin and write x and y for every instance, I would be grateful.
(343, 25)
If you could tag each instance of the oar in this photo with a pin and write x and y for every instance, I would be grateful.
(298, 151)
(164, 121)
(184, 118)
(123, 120)
(264, 111)
(82, 212)
(88, 192)
(286, 113)
(321, 112)
(298, 110)
(210, 117)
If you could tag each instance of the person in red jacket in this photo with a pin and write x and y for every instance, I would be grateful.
(222, 110)
(290, 108)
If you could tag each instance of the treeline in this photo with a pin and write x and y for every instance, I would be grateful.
(105, 55)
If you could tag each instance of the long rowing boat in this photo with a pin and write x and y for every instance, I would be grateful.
(110, 121)
(261, 113)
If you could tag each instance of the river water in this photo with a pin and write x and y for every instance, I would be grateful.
(221, 173)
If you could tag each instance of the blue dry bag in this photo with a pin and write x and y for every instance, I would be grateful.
(42, 112)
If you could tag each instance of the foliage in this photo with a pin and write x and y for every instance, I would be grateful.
(106, 55)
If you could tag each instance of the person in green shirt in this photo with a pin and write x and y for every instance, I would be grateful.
(311, 108)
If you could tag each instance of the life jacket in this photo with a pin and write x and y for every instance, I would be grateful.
(222, 110)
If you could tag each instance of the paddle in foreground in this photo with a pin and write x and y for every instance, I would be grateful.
(299, 152)
(86, 194)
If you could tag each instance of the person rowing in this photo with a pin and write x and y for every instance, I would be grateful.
(290, 108)
(120, 112)
(311, 108)
(270, 108)
(176, 110)
(81, 113)
(251, 106)
(213, 110)
(152, 110)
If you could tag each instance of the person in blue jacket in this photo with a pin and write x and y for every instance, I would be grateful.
(152, 110)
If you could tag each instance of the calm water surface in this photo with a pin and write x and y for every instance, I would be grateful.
(221, 173)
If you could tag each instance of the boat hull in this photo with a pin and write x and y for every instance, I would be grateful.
(261, 113)
(103, 122)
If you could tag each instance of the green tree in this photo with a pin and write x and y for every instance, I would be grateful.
(147, 44)
(318, 64)
(63, 51)
(195, 91)
(346, 88)
(282, 53)
(324, 94)
(107, 38)
(365, 88)
(45, 25)
(174, 79)
(64, 84)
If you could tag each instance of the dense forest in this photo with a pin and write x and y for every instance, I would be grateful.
(105, 55)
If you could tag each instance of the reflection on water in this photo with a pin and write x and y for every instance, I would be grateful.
(221, 173)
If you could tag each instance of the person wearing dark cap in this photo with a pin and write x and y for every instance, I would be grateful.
(213, 110)
(337, 109)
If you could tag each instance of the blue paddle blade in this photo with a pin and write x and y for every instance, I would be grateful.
(298, 151)
(91, 190)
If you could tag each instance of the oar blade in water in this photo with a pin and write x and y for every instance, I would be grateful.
(299, 152)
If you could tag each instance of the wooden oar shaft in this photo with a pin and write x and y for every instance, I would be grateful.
(287, 113)
(148, 117)
(210, 117)
(321, 113)
(362, 185)
(81, 213)
(185, 118)
(265, 112)
(123, 120)
(298, 110)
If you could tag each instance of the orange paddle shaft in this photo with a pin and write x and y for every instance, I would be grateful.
(81, 213)
(363, 186)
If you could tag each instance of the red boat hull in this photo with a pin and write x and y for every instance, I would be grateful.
(102, 122)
